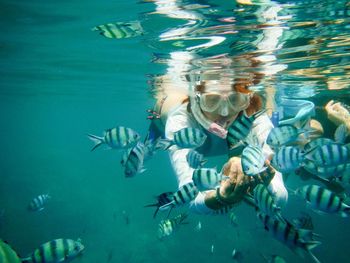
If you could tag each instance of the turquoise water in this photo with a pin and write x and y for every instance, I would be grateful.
(60, 80)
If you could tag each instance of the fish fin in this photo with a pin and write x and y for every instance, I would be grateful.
(151, 205)
(163, 144)
(142, 170)
(340, 134)
(167, 206)
(307, 235)
(315, 259)
(97, 140)
(203, 162)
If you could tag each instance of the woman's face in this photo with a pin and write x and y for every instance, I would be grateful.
(221, 104)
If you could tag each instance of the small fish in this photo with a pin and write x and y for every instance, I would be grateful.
(55, 251)
(297, 240)
(253, 160)
(317, 142)
(329, 155)
(126, 217)
(116, 138)
(120, 29)
(184, 195)
(162, 199)
(198, 227)
(168, 226)
(233, 219)
(134, 163)
(287, 159)
(283, 135)
(195, 159)
(323, 200)
(212, 248)
(184, 138)
(240, 128)
(266, 203)
(207, 178)
(38, 203)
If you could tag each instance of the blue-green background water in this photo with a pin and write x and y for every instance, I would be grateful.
(60, 80)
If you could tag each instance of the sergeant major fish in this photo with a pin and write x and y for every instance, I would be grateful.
(134, 161)
(38, 203)
(116, 138)
(120, 29)
(298, 240)
(324, 200)
(253, 160)
(184, 195)
(283, 135)
(184, 138)
(329, 155)
(195, 159)
(240, 128)
(55, 251)
(168, 226)
(207, 178)
(287, 159)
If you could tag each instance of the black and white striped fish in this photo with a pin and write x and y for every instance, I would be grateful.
(240, 128)
(287, 159)
(134, 162)
(266, 203)
(299, 240)
(120, 29)
(329, 155)
(183, 196)
(324, 200)
(253, 160)
(162, 199)
(317, 142)
(195, 159)
(55, 251)
(224, 210)
(168, 226)
(185, 138)
(325, 171)
(283, 135)
(207, 178)
(116, 138)
(38, 203)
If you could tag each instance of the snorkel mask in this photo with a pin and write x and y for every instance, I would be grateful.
(217, 97)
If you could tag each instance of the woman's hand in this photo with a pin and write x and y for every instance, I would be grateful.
(233, 189)
(338, 114)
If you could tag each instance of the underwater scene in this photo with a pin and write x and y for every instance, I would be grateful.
(174, 131)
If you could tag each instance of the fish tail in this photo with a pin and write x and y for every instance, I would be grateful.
(97, 140)
(163, 144)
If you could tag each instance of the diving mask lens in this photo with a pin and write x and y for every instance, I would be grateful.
(210, 102)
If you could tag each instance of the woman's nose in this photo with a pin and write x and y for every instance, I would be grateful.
(224, 109)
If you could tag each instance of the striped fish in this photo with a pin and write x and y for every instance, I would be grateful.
(168, 226)
(134, 162)
(283, 135)
(162, 199)
(38, 203)
(287, 159)
(207, 178)
(253, 160)
(298, 240)
(120, 29)
(195, 159)
(116, 138)
(329, 155)
(240, 128)
(266, 203)
(325, 171)
(324, 200)
(184, 138)
(317, 142)
(55, 251)
(224, 210)
(183, 196)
